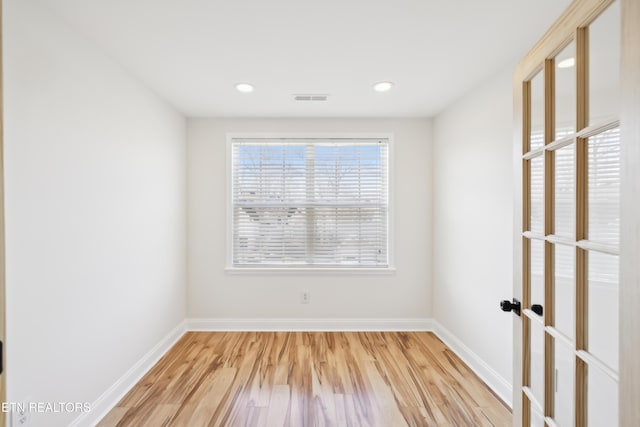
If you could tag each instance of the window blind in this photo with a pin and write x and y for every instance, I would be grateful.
(604, 187)
(310, 202)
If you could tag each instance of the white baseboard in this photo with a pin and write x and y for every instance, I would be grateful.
(494, 380)
(310, 324)
(110, 398)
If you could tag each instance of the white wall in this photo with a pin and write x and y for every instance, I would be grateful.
(95, 215)
(214, 294)
(473, 196)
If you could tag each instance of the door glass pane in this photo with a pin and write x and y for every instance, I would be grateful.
(604, 65)
(603, 307)
(564, 289)
(565, 191)
(604, 187)
(537, 111)
(537, 420)
(566, 91)
(602, 398)
(564, 386)
(537, 194)
(537, 272)
(537, 362)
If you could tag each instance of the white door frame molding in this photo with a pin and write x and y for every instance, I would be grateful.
(630, 217)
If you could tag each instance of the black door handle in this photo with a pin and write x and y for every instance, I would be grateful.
(507, 306)
(537, 309)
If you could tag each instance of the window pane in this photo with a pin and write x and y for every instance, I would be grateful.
(537, 194)
(268, 173)
(604, 187)
(537, 111)
(564, 386)
(266, 235)
(564, 289)
(602, 397)
(537, 420)
(565, 191)
(566, 91)
(349, 235)
(349, 173)
(603, 307)
(537, 361)
(604, 65)
(537, 272)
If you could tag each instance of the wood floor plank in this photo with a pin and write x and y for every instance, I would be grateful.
(341, 411)
(201, 409)
(113, 417)
(160, 416)
(294, 379)
(278, 406)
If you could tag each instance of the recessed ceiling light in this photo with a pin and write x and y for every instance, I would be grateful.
(244, 87)
(567, 63)
(383, 86)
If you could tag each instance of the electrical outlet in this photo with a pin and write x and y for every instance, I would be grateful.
(20, 416)
(305, 297)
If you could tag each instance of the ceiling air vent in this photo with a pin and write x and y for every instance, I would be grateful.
(310, 97)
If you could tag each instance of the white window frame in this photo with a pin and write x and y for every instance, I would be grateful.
(231, 269)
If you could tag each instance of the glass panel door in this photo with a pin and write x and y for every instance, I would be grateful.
(571, 227)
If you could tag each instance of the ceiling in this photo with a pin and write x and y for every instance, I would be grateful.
(193, 52)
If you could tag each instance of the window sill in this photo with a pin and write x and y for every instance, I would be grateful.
(319, 271)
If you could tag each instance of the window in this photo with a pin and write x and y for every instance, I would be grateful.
(309, 202)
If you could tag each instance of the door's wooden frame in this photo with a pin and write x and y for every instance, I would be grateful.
(3, 376)
(570, 26)
(630, 217)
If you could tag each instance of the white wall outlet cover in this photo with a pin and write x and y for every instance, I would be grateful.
(305, 297)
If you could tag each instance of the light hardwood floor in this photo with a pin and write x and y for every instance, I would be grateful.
(299, 379)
